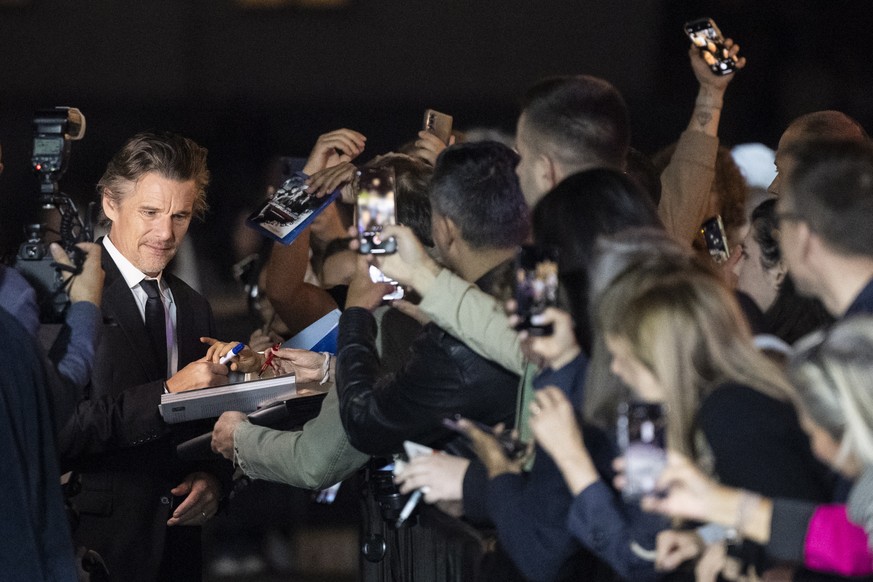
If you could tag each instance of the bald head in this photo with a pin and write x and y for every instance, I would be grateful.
(818, 126)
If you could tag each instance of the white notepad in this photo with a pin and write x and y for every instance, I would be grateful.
(211, 402)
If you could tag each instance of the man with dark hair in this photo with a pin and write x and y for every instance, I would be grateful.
(478, 219)
(136, 495)
(825, 210)
(569, 124)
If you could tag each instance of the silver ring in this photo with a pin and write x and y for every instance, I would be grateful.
(205, 517)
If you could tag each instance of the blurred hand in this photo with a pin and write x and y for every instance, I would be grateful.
(491, 452)
(261, 341)
(553, 423)
(704, 74)
(711, 563)
(409, 262)
(686, 491)
(222, 433)
(201, 373)
(429, 147)
(673, 547)
(363, 292)
(332, 148)
(556, 350)
(202, 492)
(324, 182)
(442, 475)
(87, 285)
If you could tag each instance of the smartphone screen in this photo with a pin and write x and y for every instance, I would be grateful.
(708, 38)
(375, 210)
(640, 429)
(377, 276)
(536, 286)
(716, 240)
(439, 124)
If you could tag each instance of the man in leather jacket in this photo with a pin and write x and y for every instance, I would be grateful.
(479, 217)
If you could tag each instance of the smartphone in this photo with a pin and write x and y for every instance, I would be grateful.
(375, 211)
(513, 447)
(708, 38)
(438, 124)
(377, 276)
(536, 286)
(640, 430)
(716, 240)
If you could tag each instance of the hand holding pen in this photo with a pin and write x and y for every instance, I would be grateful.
(237, 356)
(270, 354)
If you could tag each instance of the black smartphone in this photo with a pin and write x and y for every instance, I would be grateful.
(716, 240)
(708, 38)
(513, 447)
(536, 286)
(640, 430)
(375, 211)
(439, 124)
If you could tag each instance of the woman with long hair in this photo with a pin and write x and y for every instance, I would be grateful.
(678, 338)
(831, 371)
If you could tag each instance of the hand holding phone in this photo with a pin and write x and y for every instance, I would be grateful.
(377, 276)
(439, 124)
(536, 287)
(641, 437)
(706, 36)
(512, 447)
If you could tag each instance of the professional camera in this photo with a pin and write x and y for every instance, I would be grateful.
(53, 130)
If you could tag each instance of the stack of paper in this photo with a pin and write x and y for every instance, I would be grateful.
(211, 402)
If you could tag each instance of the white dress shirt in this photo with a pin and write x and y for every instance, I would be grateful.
(133, 277)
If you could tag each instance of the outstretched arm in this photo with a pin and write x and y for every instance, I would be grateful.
(687, 179)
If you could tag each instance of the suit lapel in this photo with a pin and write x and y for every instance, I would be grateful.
(120, 306)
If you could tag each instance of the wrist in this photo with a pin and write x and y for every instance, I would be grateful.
(424, 275)
(709, 97)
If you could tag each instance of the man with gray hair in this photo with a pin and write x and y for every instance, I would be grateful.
(136, 495)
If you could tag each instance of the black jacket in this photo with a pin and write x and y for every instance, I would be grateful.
(121, 446)
(442, 377)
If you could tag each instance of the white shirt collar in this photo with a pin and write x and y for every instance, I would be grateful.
(132, 275)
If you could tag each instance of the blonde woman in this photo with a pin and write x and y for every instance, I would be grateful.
(832, 373)
(677, 337)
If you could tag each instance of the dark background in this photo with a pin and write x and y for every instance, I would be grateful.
(249, 84)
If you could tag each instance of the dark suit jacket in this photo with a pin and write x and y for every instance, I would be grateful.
(124, 451)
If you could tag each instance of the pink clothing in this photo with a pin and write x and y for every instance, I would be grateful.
(835, 544)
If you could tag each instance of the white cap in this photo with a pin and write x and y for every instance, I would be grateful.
(756, 162)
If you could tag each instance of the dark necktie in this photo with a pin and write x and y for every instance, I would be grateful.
(155, 321)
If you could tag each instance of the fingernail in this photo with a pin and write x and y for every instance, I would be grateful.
(538, 319)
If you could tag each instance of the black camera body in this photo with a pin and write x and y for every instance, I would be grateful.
(53, 130)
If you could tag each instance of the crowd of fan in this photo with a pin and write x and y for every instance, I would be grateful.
(762, 363)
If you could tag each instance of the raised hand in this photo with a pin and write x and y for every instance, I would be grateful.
(334, 147)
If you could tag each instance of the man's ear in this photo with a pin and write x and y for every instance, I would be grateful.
(546, 172)
(110, 208)
(779, 272)
(808, 242)
(451, 231)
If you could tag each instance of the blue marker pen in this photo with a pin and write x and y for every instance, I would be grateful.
(231, 354)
